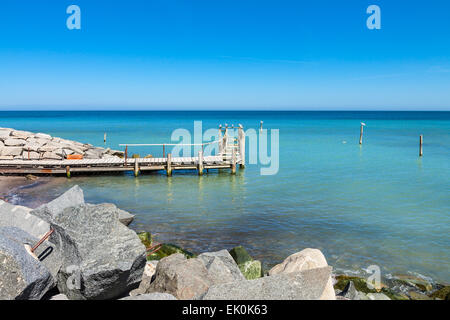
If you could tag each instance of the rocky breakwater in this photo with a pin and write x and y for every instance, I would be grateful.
(89, 255)
(24, 145)
(234, 275)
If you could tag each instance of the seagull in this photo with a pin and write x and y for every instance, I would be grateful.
(363, 124)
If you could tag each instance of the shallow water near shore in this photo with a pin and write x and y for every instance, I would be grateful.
(378, 203)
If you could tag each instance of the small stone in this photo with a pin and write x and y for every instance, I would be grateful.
(418, 296)
(443, 293)
(377, 296)
(240, 255)
(125, 217)
(151, 296)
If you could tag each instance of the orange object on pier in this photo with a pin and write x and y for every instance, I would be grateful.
(74, 157)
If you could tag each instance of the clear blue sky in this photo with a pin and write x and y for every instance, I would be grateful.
(221, 54)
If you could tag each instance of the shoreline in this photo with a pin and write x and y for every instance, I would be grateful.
(11, 186)
(396, 286)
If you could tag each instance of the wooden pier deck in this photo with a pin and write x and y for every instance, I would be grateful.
(229, 156)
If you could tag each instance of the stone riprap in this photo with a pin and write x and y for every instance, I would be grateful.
(303, 285)
(101, 258)
(24, 145)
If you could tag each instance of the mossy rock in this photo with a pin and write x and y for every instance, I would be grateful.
(443, 293)
(412, 281)
(251, 269)
(360, 283)
(146, 238)
(418, 296)
(135, 155)
(393, 295)
(167, 249)
(240, 255)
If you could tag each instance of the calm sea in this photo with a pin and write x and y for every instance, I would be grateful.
(376, 204)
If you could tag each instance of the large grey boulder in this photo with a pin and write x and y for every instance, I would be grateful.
(101, 258)
(306, 259)
(181, 277)
(151, 296)
(20, 217)
(303, 285)
(72, 197)
(221, 267)
(22, 276)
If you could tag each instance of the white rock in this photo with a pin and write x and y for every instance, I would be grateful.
(14, 142)
(306, 259)
(4, 134)
(21, 134)
(31, 147)
(51, 156)
(43, 136)
(32, 156)
(11, 151)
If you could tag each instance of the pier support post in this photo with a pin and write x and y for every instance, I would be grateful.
(200, 163)
(136, 167)
(361, 133)
(169, 165)
(233, 161)
(421, 145)
(220, 140)
(241, 135)
(68, 172)
(126, 154)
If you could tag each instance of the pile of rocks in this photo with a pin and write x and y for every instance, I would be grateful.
(90, 254)
(24, 145)
(218, 276)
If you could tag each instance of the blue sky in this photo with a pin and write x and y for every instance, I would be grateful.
(233, 54)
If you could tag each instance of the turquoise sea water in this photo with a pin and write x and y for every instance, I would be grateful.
(361, 205)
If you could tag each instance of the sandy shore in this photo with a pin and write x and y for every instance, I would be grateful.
(17, 189)
(9, 184)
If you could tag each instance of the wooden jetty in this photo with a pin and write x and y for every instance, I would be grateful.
(231, 153)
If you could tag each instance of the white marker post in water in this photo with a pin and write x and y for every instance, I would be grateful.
(361, 133)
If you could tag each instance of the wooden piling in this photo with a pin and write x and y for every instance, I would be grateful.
(233, 161)
(421, 145)
(241, 135)
(220, 140)
(261, 126)
(169, 165)
(164, 151)
(68, 172)
(200, 163)
(104, 138)
(361, 134)
(136, 167)
(126, 154)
